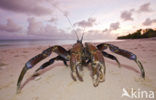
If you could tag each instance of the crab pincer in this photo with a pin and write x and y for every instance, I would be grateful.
(97, 63)
(76, 61)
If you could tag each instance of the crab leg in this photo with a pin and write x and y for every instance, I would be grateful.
(32, 62)
(51, 61)
(105, 54)
(124, 53)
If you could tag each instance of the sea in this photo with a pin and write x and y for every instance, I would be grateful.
(41, 42)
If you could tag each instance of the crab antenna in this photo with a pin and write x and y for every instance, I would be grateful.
(66, 18)
(72, 26)
(82, 34)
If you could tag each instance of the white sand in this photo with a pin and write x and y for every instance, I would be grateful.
(56, 83)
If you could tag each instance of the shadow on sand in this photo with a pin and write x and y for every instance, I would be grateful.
(61, 65)
(40, 73)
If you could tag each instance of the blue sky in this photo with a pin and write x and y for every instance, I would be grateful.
(99, 19)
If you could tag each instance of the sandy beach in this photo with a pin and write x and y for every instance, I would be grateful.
(55, 82)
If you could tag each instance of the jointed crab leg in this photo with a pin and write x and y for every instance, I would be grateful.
(105, 54)
(51, 61)
(124, 53)
(32, 62)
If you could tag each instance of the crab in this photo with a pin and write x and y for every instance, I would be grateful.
(81, 54)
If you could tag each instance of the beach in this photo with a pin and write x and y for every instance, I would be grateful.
(55, 82)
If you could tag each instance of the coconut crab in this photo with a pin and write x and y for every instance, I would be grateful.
(79, 55)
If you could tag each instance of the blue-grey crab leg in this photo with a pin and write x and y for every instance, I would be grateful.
(51, 61)
(124, 53)
(105, 54)
(32, 62)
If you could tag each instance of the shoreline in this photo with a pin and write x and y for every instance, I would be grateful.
(8, 46)
(27, 44)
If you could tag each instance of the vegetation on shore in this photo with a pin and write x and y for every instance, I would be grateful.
(141, 33)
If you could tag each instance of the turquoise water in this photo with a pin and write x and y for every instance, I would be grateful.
(32, 43)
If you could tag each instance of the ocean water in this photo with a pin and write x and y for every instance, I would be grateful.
(32, 43)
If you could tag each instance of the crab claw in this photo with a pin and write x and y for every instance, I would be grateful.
(98, 73)
(95, 77)
(97, 63)
(77, 72)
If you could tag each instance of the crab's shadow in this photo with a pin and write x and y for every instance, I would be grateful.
(61, 65)
(31, 78)
(124, 66)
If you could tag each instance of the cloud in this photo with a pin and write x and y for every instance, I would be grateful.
(10, 26)
(34, 27)
(31, 7)
(149, 22)
(145, 8)
(89, 23)
(52, 20)
(99, 35)
(127, 15)
(105, 34)
(114, 26)
(37, 28)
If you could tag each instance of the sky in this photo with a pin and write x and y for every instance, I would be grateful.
(61, 19)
